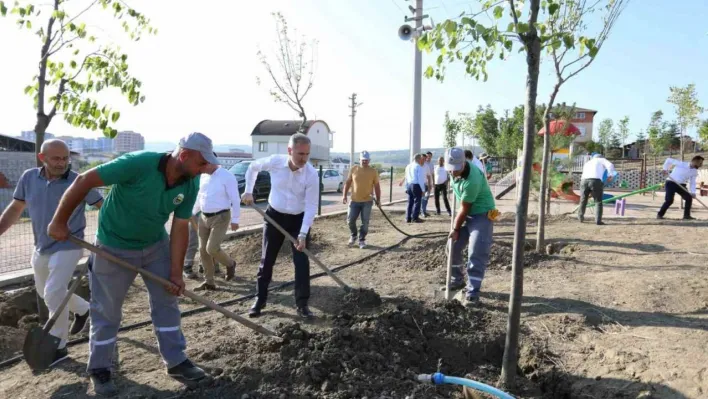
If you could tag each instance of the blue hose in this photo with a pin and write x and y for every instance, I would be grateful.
(439, 378)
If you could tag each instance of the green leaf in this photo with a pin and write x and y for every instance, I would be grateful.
(115, 116)
(429, 71)
(508, 45)
(553, 8)
(28, 24)
(450, 27)
(28, 89)
(523, 27)
(3, 8)
(468, 21)
(439, 43)
(593, 51)
(511, 27)
(498, 12)
(568, 41)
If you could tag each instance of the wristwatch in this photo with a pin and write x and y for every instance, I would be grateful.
(302, 236)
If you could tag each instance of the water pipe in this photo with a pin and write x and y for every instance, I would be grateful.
(440, 378)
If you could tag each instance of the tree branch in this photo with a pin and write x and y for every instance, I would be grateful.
(42, 77)
(513, 14)
(60, 92)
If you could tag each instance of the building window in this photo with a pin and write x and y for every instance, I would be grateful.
(580, 115)
(262, 146)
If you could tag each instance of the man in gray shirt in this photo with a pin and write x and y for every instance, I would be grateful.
(39, 190)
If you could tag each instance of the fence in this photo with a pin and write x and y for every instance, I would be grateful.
(17, 243)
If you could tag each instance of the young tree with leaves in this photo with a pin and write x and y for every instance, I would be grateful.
(452, 128)
(703, 132)
(685, 101)
(605, 132)
(293, 71)
(623, 132)
(571, 52)
(75, 63)
(475, 44)
(485, 126)
(641, 142)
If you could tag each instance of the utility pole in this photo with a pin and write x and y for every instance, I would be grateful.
(353, 115)
(417, 76)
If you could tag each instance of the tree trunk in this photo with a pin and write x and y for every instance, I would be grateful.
(511, 347)
(40, 128)
(543, 192)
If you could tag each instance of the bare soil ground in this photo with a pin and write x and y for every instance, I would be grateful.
(617, 311)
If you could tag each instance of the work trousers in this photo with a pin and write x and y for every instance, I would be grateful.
(596, 187)
(192, 247)
(212, 231)
(272, 242)
(671, 190)
(109, 285)
(415, 193)
(357, 209)
(441, 189)
(52, 274)
(476, 234)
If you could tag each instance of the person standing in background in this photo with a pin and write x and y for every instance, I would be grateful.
(591, 182)
(414, 180)
(441, 186)
(683, 174)
(364, 180)
(429, 173)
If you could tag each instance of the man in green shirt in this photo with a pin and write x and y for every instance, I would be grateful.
(146, 188)
(473, 223)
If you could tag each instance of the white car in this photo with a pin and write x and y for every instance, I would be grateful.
(332, 180)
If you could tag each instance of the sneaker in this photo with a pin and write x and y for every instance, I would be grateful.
(352, 240)
(59, 356)
(305, 313)
(659, 216)
(255, 310)
(102, 383)
(79, 323)
(689, 218)
(188, 273)
(230, 271)
(600, 223)
(362, 244)
(186, 372)
(418, 221)
(205, 287)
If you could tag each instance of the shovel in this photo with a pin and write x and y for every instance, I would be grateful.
(40, 347)
(189, 294)
(304, 250)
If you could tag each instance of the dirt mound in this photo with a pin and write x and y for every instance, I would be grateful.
(16, 305)
(373, 355)
(248, 249)
(361, 298)
(502, 252)
(11, 340)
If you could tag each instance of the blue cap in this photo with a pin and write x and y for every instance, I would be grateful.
(365, 155)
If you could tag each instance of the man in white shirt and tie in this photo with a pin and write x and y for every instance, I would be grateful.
(591, 182)
(292, 203)
(683, 173)
(219, 202)
(415, 179)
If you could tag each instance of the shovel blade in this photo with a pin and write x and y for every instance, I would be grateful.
(39, 349)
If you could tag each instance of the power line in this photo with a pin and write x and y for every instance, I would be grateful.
(397, 6)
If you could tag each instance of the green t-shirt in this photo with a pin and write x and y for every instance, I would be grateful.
(134, 214)
(474, 189)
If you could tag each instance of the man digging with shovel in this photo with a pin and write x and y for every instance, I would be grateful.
(146, 188)
(53, 263)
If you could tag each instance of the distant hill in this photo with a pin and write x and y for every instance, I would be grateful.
(168, 146)
(398, 157)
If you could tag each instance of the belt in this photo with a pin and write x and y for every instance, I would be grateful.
(214, 213)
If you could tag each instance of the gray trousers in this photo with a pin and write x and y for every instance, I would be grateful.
(476, 234)
(357, 209)
(594, 186)
(192, 248)
(109, 285)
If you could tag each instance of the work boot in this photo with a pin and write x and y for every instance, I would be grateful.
(79, 323)
(231, 271)
(600, 223)
(59, 356)
(186, 372)
(659, 216)
(255, 310)
(205, 287)
(689, 218)
(102, 383)
(305, 313)
(471, 301)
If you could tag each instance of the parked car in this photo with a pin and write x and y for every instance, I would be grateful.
(332, 180)
(262, 188)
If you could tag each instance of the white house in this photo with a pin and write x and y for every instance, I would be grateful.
(271, 137)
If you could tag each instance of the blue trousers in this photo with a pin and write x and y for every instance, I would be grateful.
(424, 200)
(357, 209)
(415, 193)
(476, 233)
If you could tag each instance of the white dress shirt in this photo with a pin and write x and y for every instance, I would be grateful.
(440, 175)
(218, 191)
(416, 174)
(291, 192)
(595, 168)
(683, 173)
(476, 162)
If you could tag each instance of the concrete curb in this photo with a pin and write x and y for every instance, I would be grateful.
(25, 275)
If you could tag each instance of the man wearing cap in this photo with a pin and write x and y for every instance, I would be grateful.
(414, 180)
(364, 180)
(292, 203)
(53, 263)
(473, 223)
(591, 182)
(146, 188)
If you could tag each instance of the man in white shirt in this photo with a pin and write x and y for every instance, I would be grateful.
(414, 179)
(469, 155)
(683, 173)
(429, 177)
(219, 202)
(292, 203)
(591, 182)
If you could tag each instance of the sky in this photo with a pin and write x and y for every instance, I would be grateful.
(199, 73)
